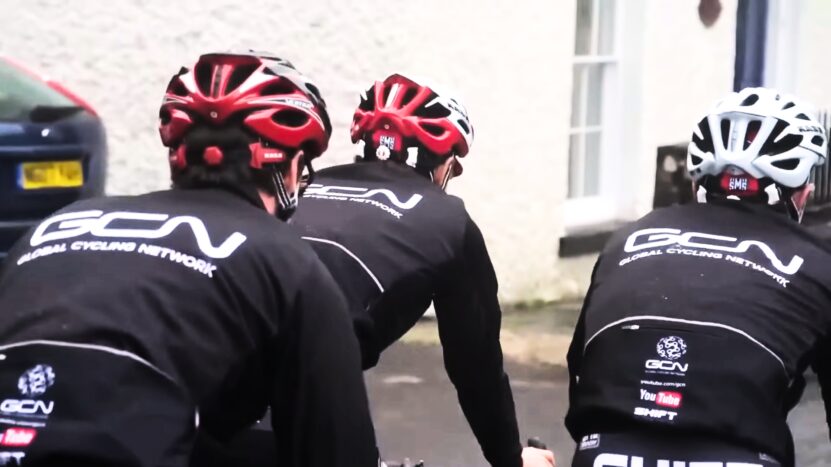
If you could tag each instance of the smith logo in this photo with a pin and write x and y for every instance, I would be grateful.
(388, 141)
(655, 238)
(347, 192)
(142, 225)
(738, 184)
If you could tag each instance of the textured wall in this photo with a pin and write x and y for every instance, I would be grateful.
(510, 62)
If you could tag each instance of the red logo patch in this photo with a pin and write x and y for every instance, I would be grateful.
(669, 399)
(18, 437)
(389, 139)
(739, 185)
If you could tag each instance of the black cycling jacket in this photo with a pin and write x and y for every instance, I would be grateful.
(211, 290)
(703, 318)
(394, 241)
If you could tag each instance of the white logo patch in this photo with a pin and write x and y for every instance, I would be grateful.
(622, 460)
(672, 348)
(590, 442)
(27, 407)
(379, 197)
(647, 243)
(36, 380)
(665, 237)
(655, 413)
(150, 225)
(12, 457)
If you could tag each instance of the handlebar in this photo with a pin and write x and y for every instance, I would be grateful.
(535, 442)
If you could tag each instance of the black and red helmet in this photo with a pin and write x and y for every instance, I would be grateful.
(399, 112)
(262, 94)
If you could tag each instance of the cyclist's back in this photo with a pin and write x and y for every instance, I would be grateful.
(125, 316)
(391, 238)
(395, 241)
(701, 319)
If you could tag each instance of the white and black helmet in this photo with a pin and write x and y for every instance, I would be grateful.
(767, 135)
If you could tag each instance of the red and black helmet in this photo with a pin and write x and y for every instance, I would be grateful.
(399, 112)
(262, 94)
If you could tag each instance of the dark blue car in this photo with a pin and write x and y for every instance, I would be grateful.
(53, 150)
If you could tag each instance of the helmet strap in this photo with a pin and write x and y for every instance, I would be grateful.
(777, 197)
(448, 174)
(773, 194)
(793, 211)
(287, 204)
(701, 194)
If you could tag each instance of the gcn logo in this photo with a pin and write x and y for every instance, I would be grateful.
(141, 225)
(660, 237)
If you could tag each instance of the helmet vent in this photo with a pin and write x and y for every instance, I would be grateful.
(785, 144)
(178, 89)
(291, 118)
(705, 143)
(314, 90)
(752, 130)
(463, 125)
(695, 159)
(817, 140)
(239, 75)
(750, 100)
(803, 117)
(368, 100)
(202, 73)
(434, 130)
(725, 130)
(788, 106)
(278, 88)
(786, 164)
(409, 96)
(435, 110)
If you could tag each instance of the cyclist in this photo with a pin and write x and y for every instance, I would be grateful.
(701, 319)
(124, 316)
(395, 241)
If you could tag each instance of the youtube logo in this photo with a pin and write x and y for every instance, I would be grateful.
(17, 437)
(669, 399)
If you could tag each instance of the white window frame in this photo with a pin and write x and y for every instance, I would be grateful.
(587, 211)
(783, 38)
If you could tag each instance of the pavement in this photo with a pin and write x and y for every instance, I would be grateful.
(417, 415)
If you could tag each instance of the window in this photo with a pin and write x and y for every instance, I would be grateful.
(594, 78)
(20, 93)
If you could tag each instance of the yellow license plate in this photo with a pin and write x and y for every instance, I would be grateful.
(62, 174)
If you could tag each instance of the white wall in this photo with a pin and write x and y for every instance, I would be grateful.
(811, 62)
(686, 69)
(511, 62)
